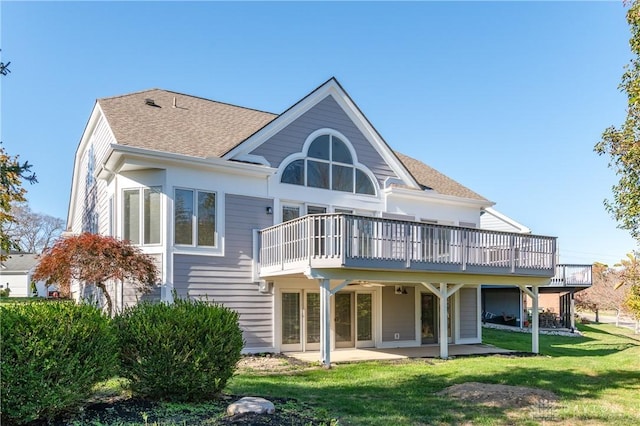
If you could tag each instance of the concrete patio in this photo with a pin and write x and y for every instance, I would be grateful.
(430, 351)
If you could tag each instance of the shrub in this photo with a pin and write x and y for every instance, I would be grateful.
(52, 355)
(186, 351)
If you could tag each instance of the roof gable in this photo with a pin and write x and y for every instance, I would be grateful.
(325, 117)
(167, 121)
(329, 88)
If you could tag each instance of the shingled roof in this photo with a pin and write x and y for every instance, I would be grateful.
(20, 262)
(194, 126)
(167, 121)
(430, 178)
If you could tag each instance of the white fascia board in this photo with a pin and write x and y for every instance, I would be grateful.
(96, 113)
(121, 154)
(432, 196)
(523, 229)
(330, 88)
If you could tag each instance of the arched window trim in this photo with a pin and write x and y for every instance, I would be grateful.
(303, 155)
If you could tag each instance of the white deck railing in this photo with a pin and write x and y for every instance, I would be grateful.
(572, 276)
(344, 240)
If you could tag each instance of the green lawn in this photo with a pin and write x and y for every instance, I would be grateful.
(597, 378)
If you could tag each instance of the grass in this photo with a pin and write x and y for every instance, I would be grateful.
(596, 377)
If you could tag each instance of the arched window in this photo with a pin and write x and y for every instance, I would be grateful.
(328, 165)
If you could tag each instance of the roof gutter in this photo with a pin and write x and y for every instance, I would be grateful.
(434, 196)
(119, 154)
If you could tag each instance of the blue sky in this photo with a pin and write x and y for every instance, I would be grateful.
(508, 98)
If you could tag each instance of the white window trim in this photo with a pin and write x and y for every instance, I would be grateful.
(303, 155)
(194, 249)
(140, 190)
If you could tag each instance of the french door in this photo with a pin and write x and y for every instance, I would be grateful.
(352, 324)
(430, 318)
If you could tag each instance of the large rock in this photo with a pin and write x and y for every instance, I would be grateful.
(251, 404)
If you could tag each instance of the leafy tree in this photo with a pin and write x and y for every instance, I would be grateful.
(12, 172)
(632, 302)
(622, 144)
(33, 232)
(602, 295)
(630, 280)
(95, 260)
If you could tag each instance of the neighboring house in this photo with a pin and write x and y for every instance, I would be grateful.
(513, 306)
(16, 274)
(305, 222)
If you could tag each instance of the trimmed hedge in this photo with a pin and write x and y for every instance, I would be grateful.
(52, 355)
(186, 351)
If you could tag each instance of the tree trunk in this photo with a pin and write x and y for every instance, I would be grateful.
(618, 318)
(597, 316)
(107, 297)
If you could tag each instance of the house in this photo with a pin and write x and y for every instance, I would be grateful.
(16, 273)
(504, 304)
(306, 222)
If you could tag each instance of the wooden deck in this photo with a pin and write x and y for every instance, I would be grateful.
(325, 241)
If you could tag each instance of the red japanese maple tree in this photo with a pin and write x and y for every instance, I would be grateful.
(95, 260)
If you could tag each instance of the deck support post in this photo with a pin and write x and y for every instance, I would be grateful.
(572, 311)
(325, 323)
(523, 313)
(444, 338)
(443, 294)
(535, 317)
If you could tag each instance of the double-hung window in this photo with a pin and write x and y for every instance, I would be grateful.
(195, 218)
(142, 213)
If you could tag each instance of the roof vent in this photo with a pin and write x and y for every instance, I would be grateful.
(151, 102)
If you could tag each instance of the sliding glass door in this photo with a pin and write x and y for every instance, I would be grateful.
(352, 324)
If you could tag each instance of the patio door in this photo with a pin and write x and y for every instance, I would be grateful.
(430, 314)
(353, 323)
(344, 324)
(291, 320)
(312, 321)
(364, 320)
(300, 320)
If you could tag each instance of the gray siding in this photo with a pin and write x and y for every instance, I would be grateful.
(326, 114)
(88, 207)
(228, 280)
(132, 296)
(398, 314)
(468, 313)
